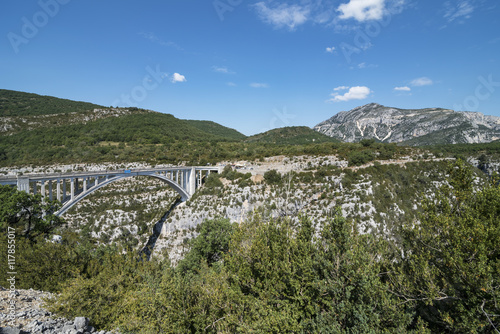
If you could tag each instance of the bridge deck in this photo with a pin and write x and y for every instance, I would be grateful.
(53, 176)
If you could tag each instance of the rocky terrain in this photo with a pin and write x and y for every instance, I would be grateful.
(411, 126)
(32, 317)
(314, 186)
(379, 196)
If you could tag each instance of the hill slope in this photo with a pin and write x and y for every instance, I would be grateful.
(293, 135)
(411, 126)
(14, 103)
(43, 129)
(216, 129)
(21, 112)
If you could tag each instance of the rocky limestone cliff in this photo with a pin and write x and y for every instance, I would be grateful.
(412, 126)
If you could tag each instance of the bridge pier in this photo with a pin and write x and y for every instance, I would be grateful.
(192, 181)
(42, 190)
(23, 184)
(58, 190)
(50, 191)
(72, 185)
(64, 189)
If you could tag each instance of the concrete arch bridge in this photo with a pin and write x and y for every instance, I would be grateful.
(70, 188)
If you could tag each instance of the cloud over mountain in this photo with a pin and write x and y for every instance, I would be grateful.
(353, 93)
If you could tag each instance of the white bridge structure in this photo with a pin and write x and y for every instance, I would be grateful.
(70, 188)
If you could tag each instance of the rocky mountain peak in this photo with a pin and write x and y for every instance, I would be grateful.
(412, 126)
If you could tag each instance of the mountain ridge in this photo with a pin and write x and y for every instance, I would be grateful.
(406, 126)
(21, 111)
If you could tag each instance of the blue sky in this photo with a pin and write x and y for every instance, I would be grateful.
(255, 65)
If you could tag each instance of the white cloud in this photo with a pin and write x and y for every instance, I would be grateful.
(341, 88)
(259, 85)
(176, 77)
(402, 89)
(423, 81)
(354, 93)
(330, 50)
(362, 10)
(293, 13)
(463, 9)
(220, 69)
(284, 15)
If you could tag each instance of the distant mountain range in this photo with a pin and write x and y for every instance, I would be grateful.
(31, 118)
(411, 126)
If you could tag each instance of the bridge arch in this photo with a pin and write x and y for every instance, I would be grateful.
(174, 185)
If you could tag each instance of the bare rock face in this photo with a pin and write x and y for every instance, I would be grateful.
(411, 126)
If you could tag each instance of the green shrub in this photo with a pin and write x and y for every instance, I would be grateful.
(272, 177)
(357, 158)
(450, 268)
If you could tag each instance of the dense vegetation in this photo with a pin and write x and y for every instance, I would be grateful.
(139, 138)
(292, 135)
(272, 275)
(216, 129)
(13, 103)
(463, 150)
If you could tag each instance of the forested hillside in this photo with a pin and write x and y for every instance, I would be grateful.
(293, 135)
(14, 103)
(216, 129)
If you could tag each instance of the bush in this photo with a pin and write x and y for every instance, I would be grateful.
(213, 181)
(210, 245)
(357, 158)
(272, 177)
(450, 268)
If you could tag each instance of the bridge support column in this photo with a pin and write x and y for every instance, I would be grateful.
(72, 185)
(85, 184)
(64, 189)
(50, 191)
(43, 189)
(58, 190)
(192, 181)
(23, 184)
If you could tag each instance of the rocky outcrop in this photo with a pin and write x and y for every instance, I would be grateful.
(31, 316)
(412, 126)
